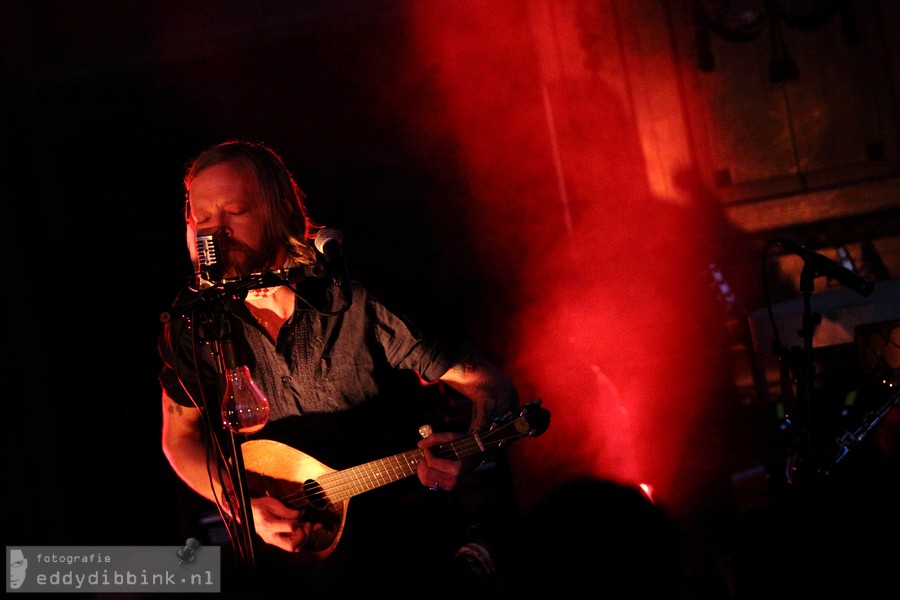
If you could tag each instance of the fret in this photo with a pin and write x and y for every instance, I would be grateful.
(342, 485)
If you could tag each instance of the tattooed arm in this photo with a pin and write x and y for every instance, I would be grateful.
(184, 444)
(492, 394)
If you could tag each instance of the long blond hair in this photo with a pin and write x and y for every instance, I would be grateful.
(287, 223)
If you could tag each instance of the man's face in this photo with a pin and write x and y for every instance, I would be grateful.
(17, 566)
(227, 197)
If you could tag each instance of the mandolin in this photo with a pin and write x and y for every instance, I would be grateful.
(323, 494)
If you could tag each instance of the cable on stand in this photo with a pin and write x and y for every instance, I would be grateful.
(211, 312)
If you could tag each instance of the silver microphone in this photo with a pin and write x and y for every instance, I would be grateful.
(211, 265)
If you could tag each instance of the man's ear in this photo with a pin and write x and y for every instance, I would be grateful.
(191, 237)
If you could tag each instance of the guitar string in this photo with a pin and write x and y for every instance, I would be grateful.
(339, 482)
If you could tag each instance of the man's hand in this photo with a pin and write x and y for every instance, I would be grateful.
(279, 525)
(439, 473)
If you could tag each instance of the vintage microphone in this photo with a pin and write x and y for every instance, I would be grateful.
(210, 258)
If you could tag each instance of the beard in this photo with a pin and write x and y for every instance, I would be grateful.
(243, 260)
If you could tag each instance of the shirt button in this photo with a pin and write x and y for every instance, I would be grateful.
(285, 381)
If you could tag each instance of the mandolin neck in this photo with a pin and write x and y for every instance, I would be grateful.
(343, 485)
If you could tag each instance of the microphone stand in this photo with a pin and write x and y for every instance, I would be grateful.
(212, 302)
(808, 372)
(212, 294)
(217, 333)
(815, 265)
(816, 453)
(238, 473)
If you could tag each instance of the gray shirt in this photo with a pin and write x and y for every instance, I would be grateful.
(324, 360)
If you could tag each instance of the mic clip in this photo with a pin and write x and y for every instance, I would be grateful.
(292, 276)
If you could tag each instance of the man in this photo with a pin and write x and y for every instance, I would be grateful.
(328, 355)
(18, 565)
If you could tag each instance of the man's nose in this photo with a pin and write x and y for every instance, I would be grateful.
(218, 220)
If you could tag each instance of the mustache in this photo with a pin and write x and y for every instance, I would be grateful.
(242, 259)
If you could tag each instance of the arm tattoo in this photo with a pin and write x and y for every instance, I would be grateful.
(484, 386)
(467, 363)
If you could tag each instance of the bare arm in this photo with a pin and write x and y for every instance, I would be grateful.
(184, 444)
(492, 393)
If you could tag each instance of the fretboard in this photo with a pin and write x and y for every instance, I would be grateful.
(343, 485)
